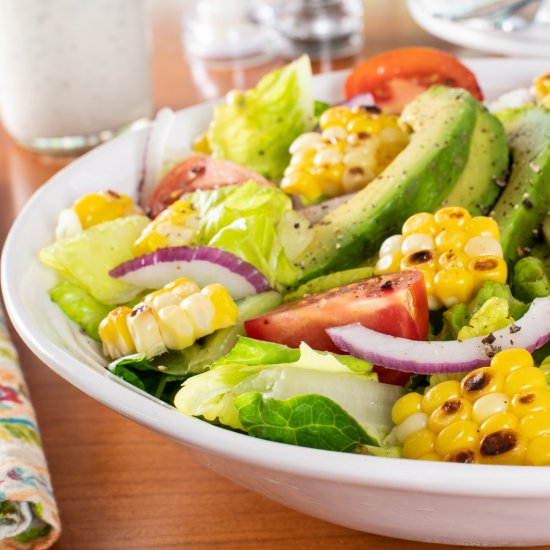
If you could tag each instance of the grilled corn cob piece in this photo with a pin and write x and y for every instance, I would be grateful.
(455, 252)
(175, 226)
(541, 89)
(499, 414)
(354, 146)
(93, 209)
(171, 318)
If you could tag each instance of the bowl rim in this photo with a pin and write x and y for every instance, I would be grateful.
(389, 473)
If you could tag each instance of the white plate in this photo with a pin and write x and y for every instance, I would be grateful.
(437, 502)
(533, 41)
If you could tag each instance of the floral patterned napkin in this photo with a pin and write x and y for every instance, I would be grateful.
(28, 512)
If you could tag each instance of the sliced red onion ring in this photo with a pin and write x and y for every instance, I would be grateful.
(530, 332)
(154, 153)
(203, 264)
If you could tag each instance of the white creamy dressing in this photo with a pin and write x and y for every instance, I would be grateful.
(72, 67)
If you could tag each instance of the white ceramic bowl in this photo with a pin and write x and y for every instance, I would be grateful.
(436, 502)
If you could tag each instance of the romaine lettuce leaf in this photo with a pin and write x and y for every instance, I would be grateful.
(277, 372)
(243, 219)
(87, 258)
(255, 128)
(306, 420)
(490, 317)
(80, 307)
(459, 315)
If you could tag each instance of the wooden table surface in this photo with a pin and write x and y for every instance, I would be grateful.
(119, 485)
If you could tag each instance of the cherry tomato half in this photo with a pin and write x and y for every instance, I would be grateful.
(394, 303)
(395, 77)
(198, 172)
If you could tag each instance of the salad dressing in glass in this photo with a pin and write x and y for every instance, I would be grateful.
(72, 70)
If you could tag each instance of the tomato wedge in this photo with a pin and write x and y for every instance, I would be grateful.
(394, 303)
(395, 77)
(198, 172)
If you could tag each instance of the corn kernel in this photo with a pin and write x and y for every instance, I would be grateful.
(480, 382)
(534, 400)
(511, 359)
(95, 208)
(498, 422)
(452, 217)
(535, 423)
(462, 456)
(202, 312)
(450, 411)
(176, 327)
(145, 332)
(391, 245)
(406, 406)
(438, 394)
(503, 447)
(483, 246)
(433, 457)
(415, 242)
(483, 226)
(524, 379)
(411, 424)
(388, 264)
(453, 285)
(489, 405)
(488, 268)
(114, 334)
(419, 443)
(225, 310)
(450, 239)
(422, 222)
(423, 260)
(458, 435)
(454, 258)
(538, 451)
(335, 116)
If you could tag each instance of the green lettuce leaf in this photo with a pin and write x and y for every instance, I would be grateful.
(459, 315)
(87, 258)
(244, 220)
(530, 279)
(306, 420)
(80, 307)
(255, 128)
(490, 317)
(282, 373)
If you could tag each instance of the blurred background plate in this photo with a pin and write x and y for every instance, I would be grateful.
(532, 41)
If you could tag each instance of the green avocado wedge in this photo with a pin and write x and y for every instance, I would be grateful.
(525, 201)
(478, 187)
(419, 178)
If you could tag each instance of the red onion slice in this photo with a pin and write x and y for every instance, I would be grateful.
(203, 264)
(154, 153)
(530, 332)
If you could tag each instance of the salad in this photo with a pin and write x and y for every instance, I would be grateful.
(367, 277)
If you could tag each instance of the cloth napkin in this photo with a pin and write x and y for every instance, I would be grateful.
(28, 512)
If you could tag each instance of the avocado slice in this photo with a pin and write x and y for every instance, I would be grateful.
(525, 201)
(419, 178)
(477, 188)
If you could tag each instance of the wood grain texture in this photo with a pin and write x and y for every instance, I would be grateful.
(120, 486)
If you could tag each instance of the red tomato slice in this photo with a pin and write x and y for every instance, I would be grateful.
(395, 77)
(395, 304)
(198, 172)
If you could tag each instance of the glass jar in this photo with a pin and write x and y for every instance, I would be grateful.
(73, 73)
